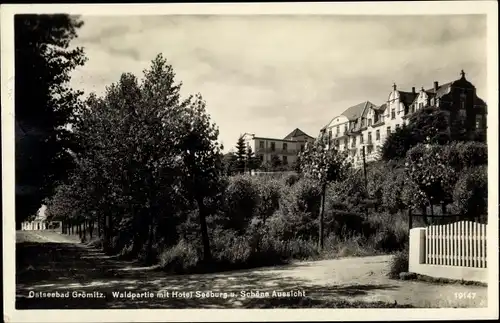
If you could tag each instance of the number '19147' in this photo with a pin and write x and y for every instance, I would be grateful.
(465, 295)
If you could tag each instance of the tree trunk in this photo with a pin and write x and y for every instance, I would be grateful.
(85, 228)
(91, 229)
(424, 215)
(443, 208)
(321, 220)
(99, 225)
(207, 256)
(149, 252)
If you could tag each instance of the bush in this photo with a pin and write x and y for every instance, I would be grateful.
(269, 192)
(298, 213)
(240, 202)
(181, 258)
(291, 179)
(399, 264)
(350, 192)
(470, 194)
(472, 153)
(392, 191)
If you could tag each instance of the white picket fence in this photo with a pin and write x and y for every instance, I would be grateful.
(456, 244)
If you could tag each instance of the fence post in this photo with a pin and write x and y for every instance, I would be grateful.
(410, 220)
(417, 248)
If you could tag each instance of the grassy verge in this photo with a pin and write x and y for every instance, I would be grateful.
(435, 280)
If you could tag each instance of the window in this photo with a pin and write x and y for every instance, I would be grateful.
(361, 139)
(337, 143)
(433, 101)
(301, 147)
(329, 133)
(479, 121)
(261, 157)
(369, 137)
(413, 108)
(397, 127)
(388, 131)
(345, 142)
(345, 128)
(353, 141)
(370, 149)
(261, 144)
(285, 146)
(369, 122)
(420, 105)
(462, 113)
(393, 113)
(338, 130)
(377, 135)
(273, 146)
(285, 160)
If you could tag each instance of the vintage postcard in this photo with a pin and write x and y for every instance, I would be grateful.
(250, 162)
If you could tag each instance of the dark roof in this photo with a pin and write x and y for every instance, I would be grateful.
(381, 108)
(296, 133)
(407, 97)
(442, 90)
(480, 101)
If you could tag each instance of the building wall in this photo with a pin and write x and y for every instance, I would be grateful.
(286, 150)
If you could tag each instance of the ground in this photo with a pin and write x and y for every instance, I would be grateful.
(51, 262)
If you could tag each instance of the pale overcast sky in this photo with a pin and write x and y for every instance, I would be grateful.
(271, 74)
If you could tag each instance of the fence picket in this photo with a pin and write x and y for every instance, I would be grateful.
(446, 247)
(485, 253)
(474, 244)
(427, 242)
(454, 244)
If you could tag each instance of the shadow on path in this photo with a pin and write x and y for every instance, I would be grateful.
(81, 277)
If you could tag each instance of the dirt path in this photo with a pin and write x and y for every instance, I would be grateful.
(50, 262)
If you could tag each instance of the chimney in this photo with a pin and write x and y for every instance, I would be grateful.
(413, 90)
(436, 85)
(394, 86)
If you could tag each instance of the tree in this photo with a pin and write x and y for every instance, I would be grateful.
(471, 191)
(229, 162)
(241, 154)
(144, 148)
(397, 144)
(202, 164)
(323, 166)
(428, 167)
(428, 125)
(44, 104)
(252, 161)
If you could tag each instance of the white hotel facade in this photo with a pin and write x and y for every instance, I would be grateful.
(366, 125)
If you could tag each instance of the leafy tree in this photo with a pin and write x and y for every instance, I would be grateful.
(229, 162)
(202, 164)
(44, 104)
(427, 166)
(143, 147)
(323, 166)
(398, 143)
(428, 125)
(276, 162)
(471, 191)
(252, 161)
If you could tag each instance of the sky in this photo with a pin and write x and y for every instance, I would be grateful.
(268, 75)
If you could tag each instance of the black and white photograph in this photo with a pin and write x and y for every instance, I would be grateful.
(155, 158)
